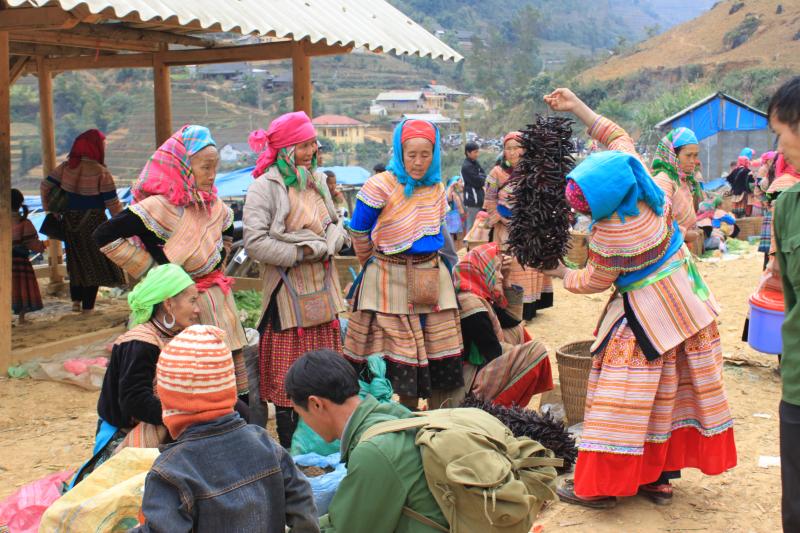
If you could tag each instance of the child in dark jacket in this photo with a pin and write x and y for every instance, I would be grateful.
(220, 474)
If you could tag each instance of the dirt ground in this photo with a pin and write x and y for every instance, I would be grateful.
(46, 427)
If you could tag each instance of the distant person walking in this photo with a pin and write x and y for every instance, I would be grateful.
(25, 296)
(81, 189)
(474, 182)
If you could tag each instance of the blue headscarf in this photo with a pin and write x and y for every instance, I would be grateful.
(615, 182)
(396, 166)
(195, 138)
(682, 137)
(747, 152)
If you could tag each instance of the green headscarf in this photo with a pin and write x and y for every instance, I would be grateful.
(293, 176)
(162, 282)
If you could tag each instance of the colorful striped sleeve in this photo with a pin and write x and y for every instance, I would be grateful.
(612, 135)
(589, 280)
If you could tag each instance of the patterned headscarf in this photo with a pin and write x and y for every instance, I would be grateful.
(88, 144)
(434, 173)
(666, 159)
(169, 171)
(286, 131)
(294, 176)
(477, 273)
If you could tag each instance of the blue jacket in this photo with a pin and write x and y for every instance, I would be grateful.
(226, 475)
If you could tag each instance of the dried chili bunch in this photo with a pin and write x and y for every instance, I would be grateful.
(528, 423)
(539, 229)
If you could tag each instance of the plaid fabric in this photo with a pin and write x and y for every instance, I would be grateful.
(25, 296)
(477, 273)
(168, 172)
(278, 350)
(666, 160)
(766, 232)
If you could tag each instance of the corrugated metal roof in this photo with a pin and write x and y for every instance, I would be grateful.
(399, 96)
(372, 24)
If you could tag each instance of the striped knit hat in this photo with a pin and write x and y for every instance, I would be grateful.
(195, 378)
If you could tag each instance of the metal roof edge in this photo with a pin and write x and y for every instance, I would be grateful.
(718, 94)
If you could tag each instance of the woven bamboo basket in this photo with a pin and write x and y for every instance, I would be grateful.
(578, 248)
(574, 363)
(749, 227)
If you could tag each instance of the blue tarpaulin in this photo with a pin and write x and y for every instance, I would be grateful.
(718, 112)
(232, 184)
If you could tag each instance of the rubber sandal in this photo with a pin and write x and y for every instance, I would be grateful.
(566, 493)
(658, 494)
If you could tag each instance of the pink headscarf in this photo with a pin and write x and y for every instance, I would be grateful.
(782, 168)
(516, 135)
(286, 130)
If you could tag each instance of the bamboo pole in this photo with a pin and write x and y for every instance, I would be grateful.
(301, 78)
(5, 204)
(48, 136)
(163, 98)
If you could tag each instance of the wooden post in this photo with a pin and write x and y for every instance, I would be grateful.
(301, 78)
(48, 136)
(5, 204)
(162, 93)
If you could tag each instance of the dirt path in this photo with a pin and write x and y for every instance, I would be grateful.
(46, 427)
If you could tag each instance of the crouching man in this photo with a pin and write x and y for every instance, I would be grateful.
(220, 474)
(384, 474)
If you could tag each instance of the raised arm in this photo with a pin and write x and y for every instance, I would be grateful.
(598, 127)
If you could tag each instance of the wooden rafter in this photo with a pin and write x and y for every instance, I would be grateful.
(18, 68)
(67, 39)
(118, 31)
(36, 18)
(30, 49)
(226, 54)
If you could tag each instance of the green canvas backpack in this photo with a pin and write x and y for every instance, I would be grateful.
(483, 478)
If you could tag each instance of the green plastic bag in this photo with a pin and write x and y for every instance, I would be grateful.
(305, 440)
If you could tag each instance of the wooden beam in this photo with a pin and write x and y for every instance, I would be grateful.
(225, 54)
(301, 78)
(18, 68)
(60, 346)
(248, 284)
(5, 202)
(67, 39)
(162, 93)
(48, 138)
(124, 33)
(36, 18)
(30, 49)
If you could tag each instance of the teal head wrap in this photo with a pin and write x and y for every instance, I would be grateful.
(162, 282)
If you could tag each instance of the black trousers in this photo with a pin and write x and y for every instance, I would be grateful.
(85, 295)
(790, 466)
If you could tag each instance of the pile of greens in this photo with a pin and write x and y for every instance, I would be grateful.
(249, 305)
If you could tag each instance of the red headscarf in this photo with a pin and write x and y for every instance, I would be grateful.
(418, 129)
(88, 144)
(286, 130)
(477, 273)
(516, 135)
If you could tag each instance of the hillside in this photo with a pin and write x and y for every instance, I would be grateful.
(718, 40)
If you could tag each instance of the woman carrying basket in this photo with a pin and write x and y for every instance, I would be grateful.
(656, 402)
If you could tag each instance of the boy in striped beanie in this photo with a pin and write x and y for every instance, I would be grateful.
(220, 474)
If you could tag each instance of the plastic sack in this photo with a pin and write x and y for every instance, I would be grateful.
(324, 487)
(22, 511)
(109, 499)
(306, 441)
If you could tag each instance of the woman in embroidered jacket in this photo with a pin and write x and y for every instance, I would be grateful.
(501, 363)
(742, 183)
(538, 288)
(656, 401)
(90, 190)
(162, 305)
(405, 307)
(291, 227)
(177, 218)
(674, 166)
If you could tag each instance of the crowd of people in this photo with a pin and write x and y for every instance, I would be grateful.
(447, 325)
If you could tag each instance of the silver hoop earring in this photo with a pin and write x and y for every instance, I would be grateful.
(170, 324)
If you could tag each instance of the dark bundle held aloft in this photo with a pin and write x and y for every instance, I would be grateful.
(527, 423)
(539, 230)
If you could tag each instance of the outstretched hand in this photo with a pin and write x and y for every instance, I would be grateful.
(563, 100)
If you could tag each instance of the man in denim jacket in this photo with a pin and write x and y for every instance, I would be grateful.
(220, 474)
